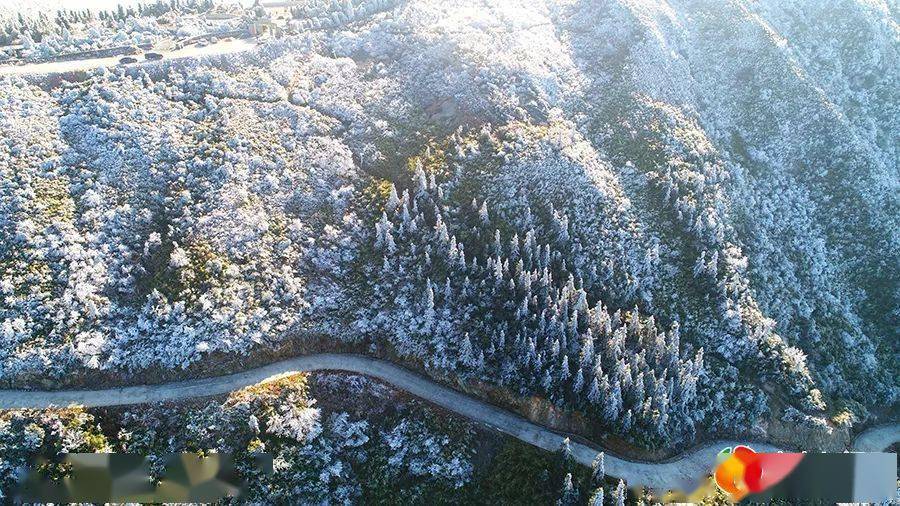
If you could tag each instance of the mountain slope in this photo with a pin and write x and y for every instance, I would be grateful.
(688, 207)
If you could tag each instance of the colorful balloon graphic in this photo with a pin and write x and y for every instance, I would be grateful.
(741, 471)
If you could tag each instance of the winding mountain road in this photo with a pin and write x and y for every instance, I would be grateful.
(61, 66)
(682, 472)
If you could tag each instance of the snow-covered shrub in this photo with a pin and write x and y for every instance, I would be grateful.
(415, 449)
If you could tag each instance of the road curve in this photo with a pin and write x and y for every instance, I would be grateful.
(682, 472)
(58, 67)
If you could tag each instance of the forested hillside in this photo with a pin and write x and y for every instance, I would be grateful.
(333, 439)
(676, 218)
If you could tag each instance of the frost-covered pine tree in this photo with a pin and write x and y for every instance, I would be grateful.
(393, 201)
(627, 421)
(547, 381)
(619, 494)
(587, 349)
(613, 403)
(428, 317)
(466, 353)
(598, 470)
(578, 383)
(569, 494)
(637, 389)
(594, 392)
(483, 214)
(554, 349)
(421, 180)
(384, 239)
(429, 295)
(597, 498)
(565, 451)
(448, 292)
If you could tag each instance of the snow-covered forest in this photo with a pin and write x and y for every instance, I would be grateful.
(676, 218)
(45, 35)
(333, 439)
(331, 452)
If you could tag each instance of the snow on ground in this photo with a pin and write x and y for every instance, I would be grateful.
(58, 67)
(12, 8)
(714, 168)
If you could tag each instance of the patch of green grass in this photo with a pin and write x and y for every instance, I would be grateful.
(53, 200)
(374, 196)
(383, 485)
(204, 271)
(522, 474)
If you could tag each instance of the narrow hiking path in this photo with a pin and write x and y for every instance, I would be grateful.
(682, 472)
